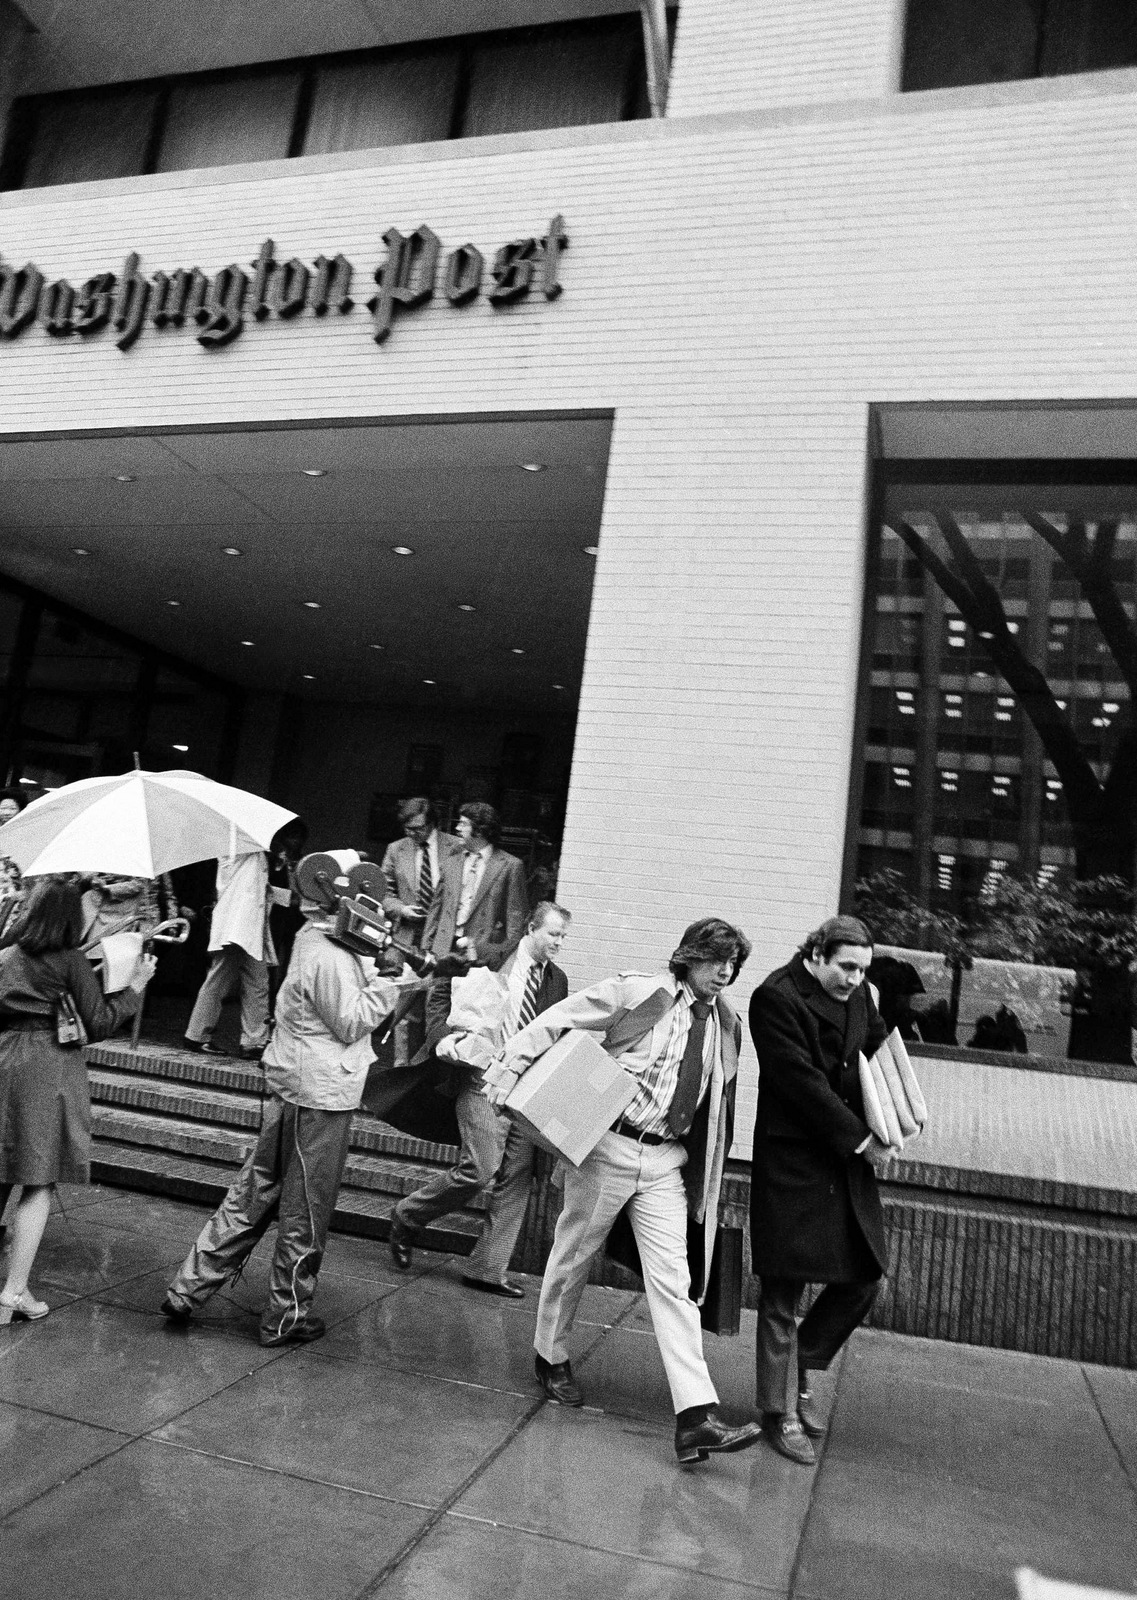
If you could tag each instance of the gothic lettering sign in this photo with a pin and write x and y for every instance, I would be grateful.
(415, 267)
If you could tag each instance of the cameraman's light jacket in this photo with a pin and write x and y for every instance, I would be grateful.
(329, 1004)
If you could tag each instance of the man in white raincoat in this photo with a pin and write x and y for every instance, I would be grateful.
(241, 945)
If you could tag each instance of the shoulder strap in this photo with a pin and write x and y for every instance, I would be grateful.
(630, 1025)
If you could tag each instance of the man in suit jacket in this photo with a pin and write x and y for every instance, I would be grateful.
(488, 1008)
(481, 905)
(815, 1214)
(676, 1034)
(413, 867)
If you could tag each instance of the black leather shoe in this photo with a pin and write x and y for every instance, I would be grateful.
(299, 1333)
(511, 1291)
(556, 1378)
(697, 1442)
(787, 1436)
(175, 1311)
(811, 1423)
(202, 1047)
(401, 1240)
(253, 1053)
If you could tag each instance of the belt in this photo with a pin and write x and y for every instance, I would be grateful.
(630, 1131)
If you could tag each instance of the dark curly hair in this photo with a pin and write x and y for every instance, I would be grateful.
(483, 819)
(710, 939)
(832, 935)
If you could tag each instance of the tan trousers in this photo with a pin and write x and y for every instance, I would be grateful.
(648, 1179)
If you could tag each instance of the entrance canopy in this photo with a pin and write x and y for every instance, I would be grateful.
(398, 564)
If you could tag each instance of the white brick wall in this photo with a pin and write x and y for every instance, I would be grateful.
(743, 55)
(739, 293)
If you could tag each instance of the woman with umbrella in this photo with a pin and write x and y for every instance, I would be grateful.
(47, 990)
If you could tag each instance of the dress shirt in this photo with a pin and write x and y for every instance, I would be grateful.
(473, 867)
(655, 1087)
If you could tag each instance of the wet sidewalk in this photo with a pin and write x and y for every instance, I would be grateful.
(407, 1455)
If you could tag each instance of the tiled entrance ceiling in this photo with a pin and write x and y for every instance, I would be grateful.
(492, 605)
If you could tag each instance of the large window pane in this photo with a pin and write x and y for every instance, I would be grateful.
(219, 121)
(406, 97)
(79, 137)
(554, 79)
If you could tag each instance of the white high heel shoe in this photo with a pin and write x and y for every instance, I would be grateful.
(21, 1308)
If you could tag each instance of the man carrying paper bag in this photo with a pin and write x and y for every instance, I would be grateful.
(815, 1213)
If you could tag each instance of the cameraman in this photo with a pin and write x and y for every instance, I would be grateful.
(315, 1067)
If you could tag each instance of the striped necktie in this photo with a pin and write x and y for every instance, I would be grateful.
(681, 1111)
(425, 880)
(529, 998)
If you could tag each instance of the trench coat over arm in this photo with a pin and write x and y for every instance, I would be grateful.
(241, 914)
(815, 1212)
(600, 1009)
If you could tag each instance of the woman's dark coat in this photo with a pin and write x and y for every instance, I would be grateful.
(815, 1212)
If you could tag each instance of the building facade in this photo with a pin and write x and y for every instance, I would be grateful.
(709, 329)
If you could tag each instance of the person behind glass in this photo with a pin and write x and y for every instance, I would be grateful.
(45, 1105)
(494, 1149)
(316, 1065)
(662, 1160)
(480, 909)
(241, 946)
(284, 916)
(815, 1213)
(412, 869)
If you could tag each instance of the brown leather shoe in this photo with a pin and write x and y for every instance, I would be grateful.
(713, 1435)
(787, 1436)
(556, 1378)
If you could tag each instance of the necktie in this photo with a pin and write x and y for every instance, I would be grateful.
(529, 998)
(681, 1111)
(425, 880)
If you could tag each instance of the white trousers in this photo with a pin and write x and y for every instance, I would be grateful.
(229, 966)
(648, 1180)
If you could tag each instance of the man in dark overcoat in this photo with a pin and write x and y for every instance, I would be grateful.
(815, 1213)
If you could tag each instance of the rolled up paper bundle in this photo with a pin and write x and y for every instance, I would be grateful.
(874, 1113)
(908, 1078)
(909, 1127)
(895, 1140)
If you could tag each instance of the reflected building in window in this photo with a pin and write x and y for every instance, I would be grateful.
(992, 688)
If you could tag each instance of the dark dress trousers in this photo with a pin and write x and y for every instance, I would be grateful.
(815, 1212)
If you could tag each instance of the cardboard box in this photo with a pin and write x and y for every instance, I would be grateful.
(570, 1096)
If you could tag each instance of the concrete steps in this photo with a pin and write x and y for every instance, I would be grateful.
(175, 1122)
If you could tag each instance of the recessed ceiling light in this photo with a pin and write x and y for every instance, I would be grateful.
(230, 550)
(558, 686)
(78, 550)
(467, 608)
(314, 472)
(311, 605)
(591, 549)
(182, 747)
(429, 680)
(174, 603)
(402, 550)
(124, 477)
(516, 650)
(532, 466)
(246, 641)
(309, 677)
(377, 647)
